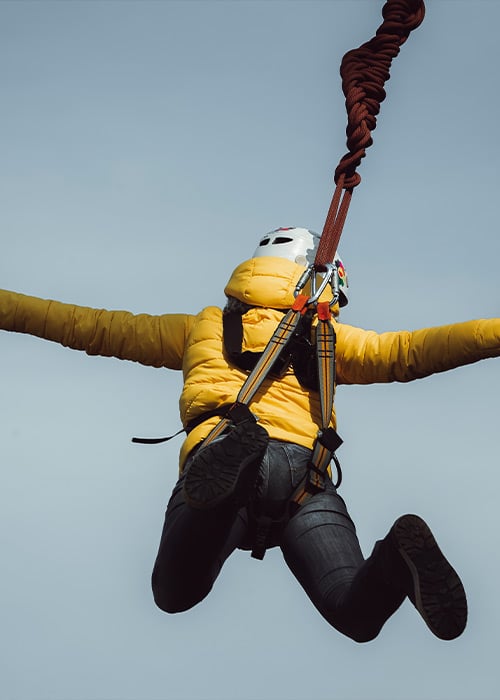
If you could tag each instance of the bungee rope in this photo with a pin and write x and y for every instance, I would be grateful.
(364, 72)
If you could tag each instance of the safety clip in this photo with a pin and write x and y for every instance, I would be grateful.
(329, 276)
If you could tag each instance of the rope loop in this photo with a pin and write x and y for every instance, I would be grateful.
(364, 72)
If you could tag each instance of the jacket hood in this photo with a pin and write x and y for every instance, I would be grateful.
(266, 281)
(269, 282)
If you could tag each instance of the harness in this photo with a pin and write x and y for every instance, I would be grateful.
(315, 369)
(276, 358)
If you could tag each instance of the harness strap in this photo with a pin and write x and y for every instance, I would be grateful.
(156, 441)
(246, 360)
(233, 340)
(276, 344)
(327, 440)
(193, 423)
(300, 353)
(263, 524)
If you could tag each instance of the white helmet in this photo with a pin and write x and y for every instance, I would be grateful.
(298, 245)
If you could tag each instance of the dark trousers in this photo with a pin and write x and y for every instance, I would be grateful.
(319, 545)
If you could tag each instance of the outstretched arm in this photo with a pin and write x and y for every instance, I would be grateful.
(366, 357)
(151, 340)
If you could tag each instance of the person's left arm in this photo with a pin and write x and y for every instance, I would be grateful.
(366, 357)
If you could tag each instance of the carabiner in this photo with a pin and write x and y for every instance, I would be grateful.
(329, 277)
(331, 269)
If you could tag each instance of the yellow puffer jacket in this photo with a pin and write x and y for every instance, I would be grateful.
(195, 344)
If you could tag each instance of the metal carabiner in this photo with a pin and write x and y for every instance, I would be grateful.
(334, 283)
(329, 277)
(303, 280)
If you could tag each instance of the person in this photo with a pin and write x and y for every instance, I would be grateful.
(248, 473)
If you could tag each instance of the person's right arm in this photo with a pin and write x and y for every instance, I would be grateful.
(367, 357)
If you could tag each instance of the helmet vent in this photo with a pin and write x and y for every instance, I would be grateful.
(282, 239)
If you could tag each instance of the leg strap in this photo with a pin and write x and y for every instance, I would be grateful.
(262, 528)
(327, 442)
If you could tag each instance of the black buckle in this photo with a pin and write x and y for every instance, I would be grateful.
(330, 439)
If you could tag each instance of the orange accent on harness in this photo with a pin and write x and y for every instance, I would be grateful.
(324, 311)
(300, 303)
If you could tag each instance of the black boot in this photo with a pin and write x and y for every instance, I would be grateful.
(225, 472)
(429, 580)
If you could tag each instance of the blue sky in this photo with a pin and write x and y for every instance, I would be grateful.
(146, 146)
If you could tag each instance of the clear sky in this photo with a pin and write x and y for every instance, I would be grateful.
(145, 148)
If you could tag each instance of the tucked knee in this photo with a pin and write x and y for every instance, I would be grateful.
(172, 598)
(359, 630)
(362, 636)
(171, 603)
(164, 602)
(169, 606)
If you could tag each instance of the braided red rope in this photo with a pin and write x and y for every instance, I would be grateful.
(364, 72)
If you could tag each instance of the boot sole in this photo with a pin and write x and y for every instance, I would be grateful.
(438, 593)
(226, 471)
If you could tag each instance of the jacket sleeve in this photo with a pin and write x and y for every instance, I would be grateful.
(157, 341)
(366, 357)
